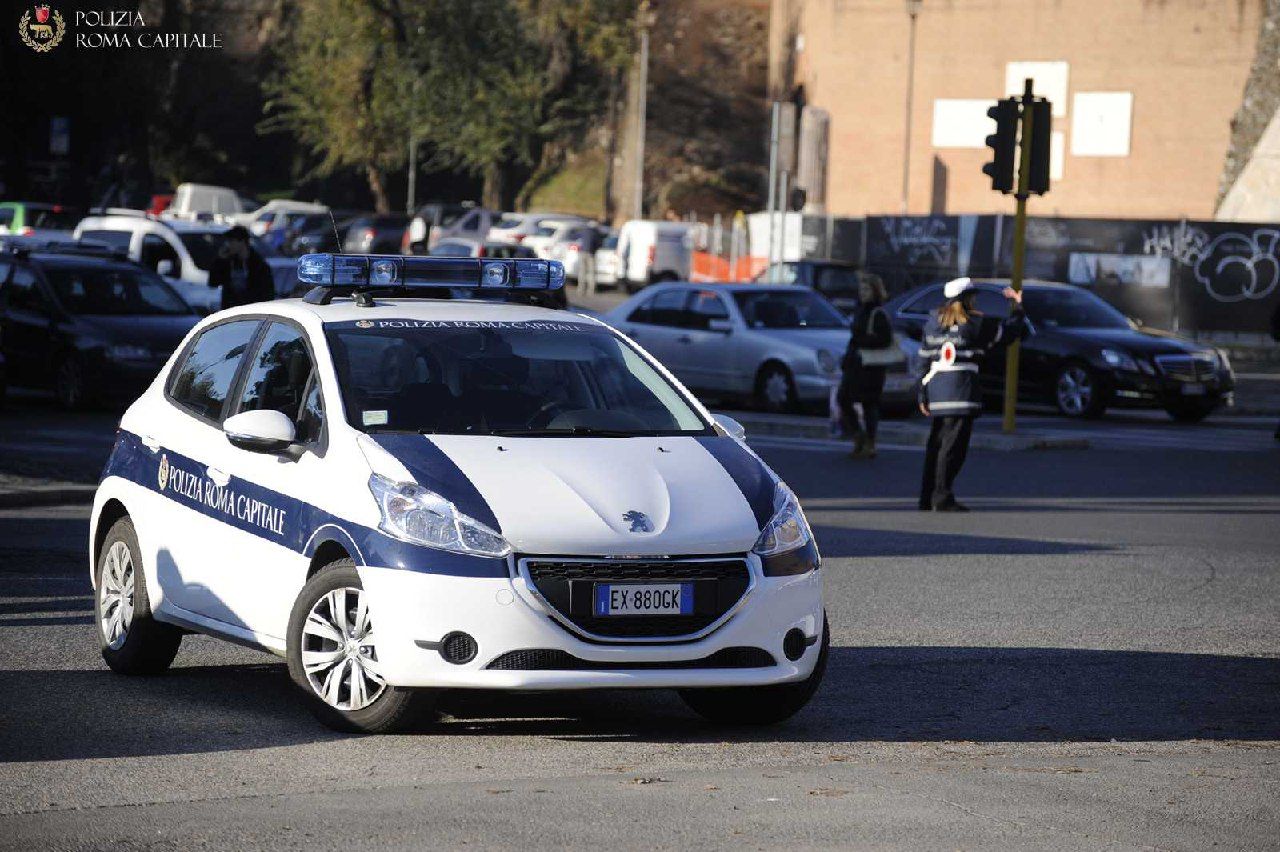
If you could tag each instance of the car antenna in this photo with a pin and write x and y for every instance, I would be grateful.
(337, 238)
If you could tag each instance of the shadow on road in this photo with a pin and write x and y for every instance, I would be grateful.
(895, 694)
(839, 542)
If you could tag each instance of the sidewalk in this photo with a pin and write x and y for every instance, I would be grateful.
(21, 491)
(909, 432)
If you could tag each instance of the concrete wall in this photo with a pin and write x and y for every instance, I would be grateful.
(1185, 62)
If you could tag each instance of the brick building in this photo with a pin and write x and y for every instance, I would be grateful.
(1144, 91)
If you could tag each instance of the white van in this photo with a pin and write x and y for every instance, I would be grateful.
(199, 200)
(651, 251)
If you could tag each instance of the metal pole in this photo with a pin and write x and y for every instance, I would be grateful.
(1019, 255)
(411, 197)
(641, 117)
(913, 9)
(775, 129)
(783, 189)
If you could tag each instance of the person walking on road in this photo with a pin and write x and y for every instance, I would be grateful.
(588, 242)
(870, 351)
(955, 342)
(240, 271)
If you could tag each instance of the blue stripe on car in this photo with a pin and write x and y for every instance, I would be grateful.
(434, 470)
(753, 478)
(294, 524)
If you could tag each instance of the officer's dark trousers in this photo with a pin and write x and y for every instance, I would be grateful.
(943, 458)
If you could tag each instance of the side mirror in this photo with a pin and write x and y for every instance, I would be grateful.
(264, 431)
(723, 326)
(165, 268)
(728, 424)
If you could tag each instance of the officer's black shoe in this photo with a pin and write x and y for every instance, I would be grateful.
(951, 506)
(925, 506)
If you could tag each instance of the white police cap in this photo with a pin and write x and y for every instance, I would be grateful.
(953, 288)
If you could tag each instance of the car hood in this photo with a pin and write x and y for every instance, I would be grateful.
(579, 496)
(1139, 341)
(832, 339)
(160, 334)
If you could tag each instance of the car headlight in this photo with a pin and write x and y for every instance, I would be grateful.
(827, 362)
(418, 515)
(1119, 360)
(126, 352)
(787, 530)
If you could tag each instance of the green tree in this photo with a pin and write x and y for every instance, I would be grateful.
(344, 90)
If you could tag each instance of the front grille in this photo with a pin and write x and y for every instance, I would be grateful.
(569, 587)
(1187, 368)
(550, 659)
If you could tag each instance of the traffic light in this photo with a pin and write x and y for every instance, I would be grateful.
(1041, 134)
(1004, 142)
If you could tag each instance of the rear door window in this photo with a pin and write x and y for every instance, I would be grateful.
(926, 303)
(115, 239)
(665, 308)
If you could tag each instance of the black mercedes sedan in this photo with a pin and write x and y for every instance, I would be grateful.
(1082, 355)
(86, 324)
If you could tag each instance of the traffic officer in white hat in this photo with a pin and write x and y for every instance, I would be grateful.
(955, 342)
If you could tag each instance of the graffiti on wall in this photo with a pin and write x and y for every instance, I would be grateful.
(920, 240)
(1232, 267)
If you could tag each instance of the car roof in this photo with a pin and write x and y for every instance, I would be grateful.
(391, 307)
(727, 286)
(73, 259)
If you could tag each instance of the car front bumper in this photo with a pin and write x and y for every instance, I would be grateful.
(1140, 390)
(413, 611)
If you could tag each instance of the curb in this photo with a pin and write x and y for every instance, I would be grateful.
(901, 433)
(46, 495)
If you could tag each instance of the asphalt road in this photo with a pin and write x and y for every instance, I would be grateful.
(1090, 659)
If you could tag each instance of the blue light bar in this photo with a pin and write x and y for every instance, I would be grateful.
(376, 271)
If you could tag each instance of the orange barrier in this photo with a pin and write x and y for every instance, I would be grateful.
(705, 266)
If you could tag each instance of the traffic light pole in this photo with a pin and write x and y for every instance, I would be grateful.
(1019, 254)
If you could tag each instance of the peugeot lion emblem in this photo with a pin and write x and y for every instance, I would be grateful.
(639, 521)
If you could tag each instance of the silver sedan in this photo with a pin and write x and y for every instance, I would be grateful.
(780, 345)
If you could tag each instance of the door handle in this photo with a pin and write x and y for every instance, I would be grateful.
(219, 478)
(150, 443)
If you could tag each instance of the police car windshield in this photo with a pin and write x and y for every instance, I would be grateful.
(787, 309)
(1070, 308)
(527, 379)
(108, 291)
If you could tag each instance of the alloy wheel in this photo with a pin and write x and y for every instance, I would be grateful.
(116, 599)
(1075, 390)
(777, 390)
(338, 651)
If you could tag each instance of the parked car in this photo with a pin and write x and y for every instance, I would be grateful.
(377, 234)
(85, 322)
(837, 280)
(181, 252)
(35, 219)
(437, 221)
(278, 214)
(455, 247)
(650, 252)
(567, 243)
(540, 238)
(1082, 355)
(319, 237)
(518, 227)
(196, 201)
(607, 262)
(780, 346)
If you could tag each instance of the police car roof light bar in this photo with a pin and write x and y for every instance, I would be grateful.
(349, 274)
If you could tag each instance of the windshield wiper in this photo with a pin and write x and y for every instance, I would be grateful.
(570, 432)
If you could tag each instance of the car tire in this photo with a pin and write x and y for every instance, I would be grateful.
(69, 385)
(391, 709)
(132, 641)
(1078, 391)
(776, 390)
(759, 705)
(1190, 412)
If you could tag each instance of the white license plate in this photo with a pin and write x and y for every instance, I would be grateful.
(1193, 389)
(643, 599)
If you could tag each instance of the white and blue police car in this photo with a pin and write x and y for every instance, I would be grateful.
(401, 492)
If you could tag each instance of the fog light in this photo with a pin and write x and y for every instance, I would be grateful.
(793, 644)
(458, 648)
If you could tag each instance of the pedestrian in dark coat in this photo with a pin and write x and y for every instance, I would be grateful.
(863, 367)
(955, 342)
(241, 272)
